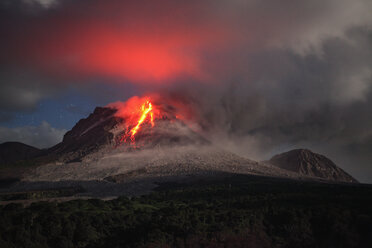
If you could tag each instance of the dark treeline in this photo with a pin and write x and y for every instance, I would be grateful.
(240, 212)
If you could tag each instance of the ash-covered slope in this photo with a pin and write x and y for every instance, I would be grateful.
(306, 162)
(160, 162)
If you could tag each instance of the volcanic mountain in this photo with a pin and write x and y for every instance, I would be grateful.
(150, 142)
(141, 138)
(107, 129)
(145, 141)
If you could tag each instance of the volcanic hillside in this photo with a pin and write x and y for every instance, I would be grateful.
(143, 125)
(147, 139)
(142, 138)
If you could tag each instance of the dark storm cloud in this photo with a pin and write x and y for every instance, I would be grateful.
(266, 75)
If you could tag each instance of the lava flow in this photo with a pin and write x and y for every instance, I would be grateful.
(146, 111)
(145, 118)
(139, 114)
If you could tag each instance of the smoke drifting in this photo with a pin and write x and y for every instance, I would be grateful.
(259, 76)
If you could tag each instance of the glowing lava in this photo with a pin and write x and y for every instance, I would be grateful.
(140, 115)
(146, 111)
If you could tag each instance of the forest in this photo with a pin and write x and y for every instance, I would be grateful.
(237, 211)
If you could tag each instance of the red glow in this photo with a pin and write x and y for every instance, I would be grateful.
(120, 41)
(136, 113)
(104, 51)
(142, 115)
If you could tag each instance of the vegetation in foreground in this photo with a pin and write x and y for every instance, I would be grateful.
(235, 212)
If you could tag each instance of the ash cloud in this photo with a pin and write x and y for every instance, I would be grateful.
(290, 100)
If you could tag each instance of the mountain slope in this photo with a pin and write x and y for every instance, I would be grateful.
(306, 162)
(101, 147)
(14, 151)
(98, 147)
(104, 129)
(87, 136)
(171, 162)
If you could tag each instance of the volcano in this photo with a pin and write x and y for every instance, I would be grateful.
(141, 138)
(146, 140)
(136, 125)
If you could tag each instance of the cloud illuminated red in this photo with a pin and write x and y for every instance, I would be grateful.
(139, 44)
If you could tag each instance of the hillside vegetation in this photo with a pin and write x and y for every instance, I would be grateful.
(239, 211)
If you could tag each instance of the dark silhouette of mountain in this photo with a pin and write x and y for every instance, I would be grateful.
(306, 162)
(14, 151)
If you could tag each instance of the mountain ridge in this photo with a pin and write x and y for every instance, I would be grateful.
(11, 152)
(95, 149)
(306, 162)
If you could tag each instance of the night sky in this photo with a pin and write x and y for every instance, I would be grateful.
(268, 76)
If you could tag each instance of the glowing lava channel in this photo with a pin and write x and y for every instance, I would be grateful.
(146, 110)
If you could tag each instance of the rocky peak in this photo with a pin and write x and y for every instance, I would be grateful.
(306, 162)
(87, 135)
(101, 117)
